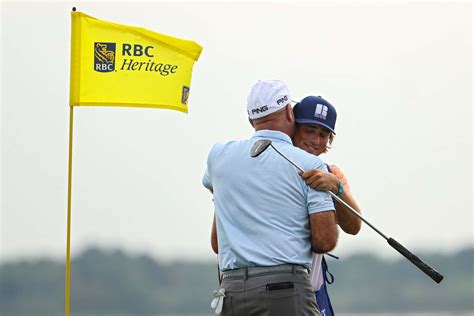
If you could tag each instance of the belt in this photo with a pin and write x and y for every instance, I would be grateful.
(244, 273)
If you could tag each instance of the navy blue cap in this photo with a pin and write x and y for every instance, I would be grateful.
(316, 110)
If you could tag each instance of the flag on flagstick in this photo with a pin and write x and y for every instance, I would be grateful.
(119, 65)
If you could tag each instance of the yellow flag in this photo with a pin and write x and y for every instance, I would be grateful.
(120, 65)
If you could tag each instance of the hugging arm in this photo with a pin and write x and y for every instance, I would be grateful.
(326, 181)
(323, 231)
(214, 244)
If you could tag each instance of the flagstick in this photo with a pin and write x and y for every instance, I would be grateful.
(69, 188)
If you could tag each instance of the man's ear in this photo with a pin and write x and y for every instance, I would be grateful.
(289, 113)
(251, 122)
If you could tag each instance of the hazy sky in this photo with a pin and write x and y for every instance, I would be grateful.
(400, 76)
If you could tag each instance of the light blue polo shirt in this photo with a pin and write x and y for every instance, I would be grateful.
(262, 204)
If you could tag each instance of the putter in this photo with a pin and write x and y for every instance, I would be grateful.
(261, 145)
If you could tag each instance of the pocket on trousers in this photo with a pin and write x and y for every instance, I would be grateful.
(281, 302)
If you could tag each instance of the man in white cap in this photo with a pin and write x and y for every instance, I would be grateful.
(267, 220)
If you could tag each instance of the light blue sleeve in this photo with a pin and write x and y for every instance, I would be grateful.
(319, 201)
(206, 180)
(207, 177)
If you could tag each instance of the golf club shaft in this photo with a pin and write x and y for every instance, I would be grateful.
(297, 167)
(426, 268)
(334, 196)
(356, 214)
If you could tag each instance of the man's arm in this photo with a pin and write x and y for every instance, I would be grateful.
(346, 219)
(214, 244)
(324, 181)
(323, 231)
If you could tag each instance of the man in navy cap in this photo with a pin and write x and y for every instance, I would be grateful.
(315, 129)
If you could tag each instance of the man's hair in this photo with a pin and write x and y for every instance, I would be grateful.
(331, 138)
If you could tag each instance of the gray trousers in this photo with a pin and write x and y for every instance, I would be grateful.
(269, 295)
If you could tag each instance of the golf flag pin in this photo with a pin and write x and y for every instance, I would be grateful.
(119, 65)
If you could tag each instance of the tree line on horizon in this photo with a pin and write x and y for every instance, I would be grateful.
(106, 282)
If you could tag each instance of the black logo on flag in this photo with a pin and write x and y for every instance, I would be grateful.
(104, 57)
(185, 95)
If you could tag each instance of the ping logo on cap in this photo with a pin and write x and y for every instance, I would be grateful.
(281, 100)
(104, 57)
(260, 110)
(321, 111)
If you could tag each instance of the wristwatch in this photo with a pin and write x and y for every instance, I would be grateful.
(341, 188)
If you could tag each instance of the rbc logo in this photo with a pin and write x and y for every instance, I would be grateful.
(104, 57)
(185, 95)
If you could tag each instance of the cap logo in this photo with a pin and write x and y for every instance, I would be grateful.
(260, 110)
(279, 101)
(321, 111)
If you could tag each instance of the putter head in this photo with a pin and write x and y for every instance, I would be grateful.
(259, 147)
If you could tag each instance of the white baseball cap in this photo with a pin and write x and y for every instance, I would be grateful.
(267, 97)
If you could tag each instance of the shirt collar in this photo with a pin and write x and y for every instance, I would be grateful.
(273, 135)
